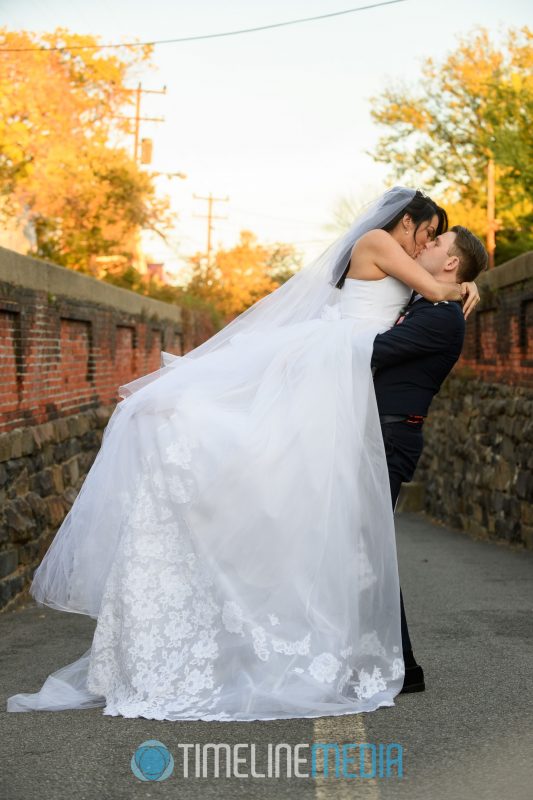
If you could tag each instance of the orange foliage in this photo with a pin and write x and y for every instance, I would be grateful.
(242, 275)
(61, 167)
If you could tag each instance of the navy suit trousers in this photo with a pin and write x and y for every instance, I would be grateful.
(403, 446)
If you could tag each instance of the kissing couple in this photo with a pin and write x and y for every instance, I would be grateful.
(234, 538)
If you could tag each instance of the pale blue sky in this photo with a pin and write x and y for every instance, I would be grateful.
(278, 120)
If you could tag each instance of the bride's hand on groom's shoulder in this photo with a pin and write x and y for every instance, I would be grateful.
(470, 295)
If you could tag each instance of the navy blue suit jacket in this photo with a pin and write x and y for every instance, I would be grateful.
(413, 358)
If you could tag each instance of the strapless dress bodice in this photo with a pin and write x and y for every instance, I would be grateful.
(380, 300)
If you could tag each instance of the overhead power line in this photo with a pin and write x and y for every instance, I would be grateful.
(245, 212)
(202, 36)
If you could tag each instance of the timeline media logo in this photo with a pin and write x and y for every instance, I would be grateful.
(152, 761)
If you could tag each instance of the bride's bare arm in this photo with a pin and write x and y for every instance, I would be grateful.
(387, 254)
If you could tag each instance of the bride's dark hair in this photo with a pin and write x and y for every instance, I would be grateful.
(421, 209)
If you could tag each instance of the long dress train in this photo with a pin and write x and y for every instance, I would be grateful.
(234, 537)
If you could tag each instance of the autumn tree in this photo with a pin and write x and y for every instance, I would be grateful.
(239, 276)
(475, 106)
(63, 165)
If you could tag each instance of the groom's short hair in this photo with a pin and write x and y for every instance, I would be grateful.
(473, 258)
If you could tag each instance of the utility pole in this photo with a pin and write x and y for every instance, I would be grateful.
(139, 259)
(492, 223)
(137, 119)
(209, 216)
(146, 157)
(139, 91)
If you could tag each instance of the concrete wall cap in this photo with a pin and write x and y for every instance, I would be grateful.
(33, 273)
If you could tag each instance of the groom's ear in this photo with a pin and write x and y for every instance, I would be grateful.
(452, 263)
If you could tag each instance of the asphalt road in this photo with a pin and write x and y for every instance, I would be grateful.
(467, 737)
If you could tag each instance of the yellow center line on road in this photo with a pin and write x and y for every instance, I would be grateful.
(341, 730)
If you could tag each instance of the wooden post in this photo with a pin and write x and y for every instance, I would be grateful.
(491, 221)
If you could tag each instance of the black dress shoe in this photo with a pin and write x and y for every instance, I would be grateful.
(413, 680)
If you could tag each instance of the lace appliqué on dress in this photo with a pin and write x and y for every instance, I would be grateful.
(163, 622)
(325, 667)
(155, 644)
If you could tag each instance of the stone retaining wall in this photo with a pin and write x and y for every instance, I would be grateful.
(478, 459)
(42, 468)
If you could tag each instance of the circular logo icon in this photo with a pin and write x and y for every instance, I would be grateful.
(152, 761)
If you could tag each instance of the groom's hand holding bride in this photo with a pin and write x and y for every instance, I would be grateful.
(468, 294)
(470, 297)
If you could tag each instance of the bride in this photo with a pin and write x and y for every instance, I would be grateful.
(234, 538)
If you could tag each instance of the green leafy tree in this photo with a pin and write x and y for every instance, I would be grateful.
(475, 106)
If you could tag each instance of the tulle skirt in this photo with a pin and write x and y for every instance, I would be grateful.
(234, 539)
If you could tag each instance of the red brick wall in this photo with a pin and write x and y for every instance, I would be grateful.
(59, 356)
(499, 338)
(9, 384)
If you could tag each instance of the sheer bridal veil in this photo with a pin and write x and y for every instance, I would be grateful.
(305, 294)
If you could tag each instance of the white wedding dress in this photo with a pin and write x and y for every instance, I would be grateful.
(234, 538)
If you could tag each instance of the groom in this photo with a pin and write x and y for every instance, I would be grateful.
(411, 361)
